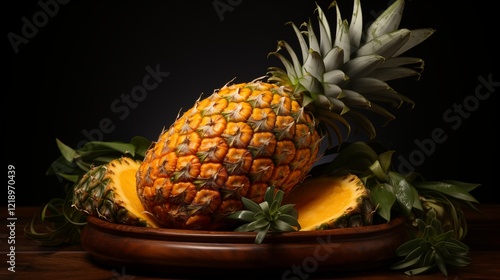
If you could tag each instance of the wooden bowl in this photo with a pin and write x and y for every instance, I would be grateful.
(191, 252)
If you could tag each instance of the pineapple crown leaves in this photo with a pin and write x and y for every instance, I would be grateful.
(266, 216)
(343, 76)
(432, 248)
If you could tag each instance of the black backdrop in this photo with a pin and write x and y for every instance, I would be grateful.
(70, 66)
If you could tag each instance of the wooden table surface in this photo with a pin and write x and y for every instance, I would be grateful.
(73, 262)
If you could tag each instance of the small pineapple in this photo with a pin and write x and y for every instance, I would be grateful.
(108, 192)
(246, 137)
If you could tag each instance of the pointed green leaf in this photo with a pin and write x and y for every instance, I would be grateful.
(468, 187)
(367, 84)
(335, 77)
(417, 36)
(334, 59)
(447, 188)
(360, 121)
(281, 226)
(251, 205)
(385, 159)
(325, 32)
(377, 170)
(269, 195)
(420, 270)
(245, 215)
(295, 60)
(314, 65)
(261, 234)
(313, 40)
(402, 61)
(387, 22)
(67, 152)
(342, 39)
(403, 192)
(290, 220)
(385, 45)
(141, 145)
(383, 197)
(302, 42)
(393, 73)
(408, 247)
(356, 25)
(290, 70)
(362, 66)
(352, 99)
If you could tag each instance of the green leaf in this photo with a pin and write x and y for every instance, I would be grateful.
(405, 196)
(244, 215)
(287, 208)
(441, 264)
(468, 187)
(357, 157)
(265, 209)
(67, 152)
(261, 234)
(408, 246)
(377, 170)
(448, 188)
(267, 216)
(282, 226)
(407, 262)
(251, 205)
(419, 270)
(290, 220)
(383, 197)
(269, 195)
(141, 145)
(385, 160)
(428, 233)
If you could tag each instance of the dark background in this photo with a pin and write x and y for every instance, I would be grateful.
(64, 80)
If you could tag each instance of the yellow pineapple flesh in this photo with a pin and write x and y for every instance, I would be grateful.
(328, 202)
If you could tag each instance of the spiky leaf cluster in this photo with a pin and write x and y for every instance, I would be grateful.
(344, 69)
(432, 248)
(268, 215)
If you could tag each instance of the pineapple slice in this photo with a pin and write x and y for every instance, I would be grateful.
(331, 202)
(109, 192)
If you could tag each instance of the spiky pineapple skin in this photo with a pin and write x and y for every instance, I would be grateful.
(232, 144)
(98, 193)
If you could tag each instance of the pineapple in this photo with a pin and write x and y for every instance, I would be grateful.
(344, 202)
(246, 137)
(108, 192)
